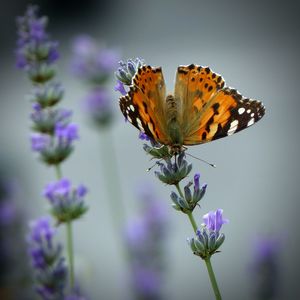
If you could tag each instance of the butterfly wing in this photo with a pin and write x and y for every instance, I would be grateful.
(209, 111)
(143, 106)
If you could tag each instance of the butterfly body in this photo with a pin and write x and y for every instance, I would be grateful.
(200, 110)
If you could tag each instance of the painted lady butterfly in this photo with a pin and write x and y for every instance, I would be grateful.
(201, 109)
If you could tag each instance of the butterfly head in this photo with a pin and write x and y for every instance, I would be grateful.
(176, 149)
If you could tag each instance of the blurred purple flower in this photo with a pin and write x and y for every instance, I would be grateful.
(45, 120)
(266, 267)
(66, 134)
(148, 283)
(67, 202)
(8, 212)
(214, 220)
(48, 94)
(143, 136)
(33, 45)
(92, 62)
(49, 265)
(39, 141)
(98, 104)
(145, 239)
(120, 88)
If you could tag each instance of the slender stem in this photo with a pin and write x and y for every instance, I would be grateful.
(207, 260)
(58, 172)
(212, 278)
(70, 252)
(179, 190)
(112, 179)
(192, 220)
(190, 214)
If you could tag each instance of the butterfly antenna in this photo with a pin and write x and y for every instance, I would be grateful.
(149, 169)
(210, 164)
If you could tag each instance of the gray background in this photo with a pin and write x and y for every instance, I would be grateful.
(255, 46)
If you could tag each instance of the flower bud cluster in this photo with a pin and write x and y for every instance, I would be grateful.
(35, 52)
(187, 203)
(209, 239)
(173, 172)
(67, 202)
(94, 64)
(46, 256)
(54, 133)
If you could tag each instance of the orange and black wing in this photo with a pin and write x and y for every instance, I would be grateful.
(143, 106)
(210, 111)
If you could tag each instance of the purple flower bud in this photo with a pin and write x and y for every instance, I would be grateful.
(66, 201)
(49, 267)
(120, 87)
(143, 136)
(196, 182)
(214, 220)
(41, 230)
(40, 142)
(34, 47)
(66, 134)
(81, 191)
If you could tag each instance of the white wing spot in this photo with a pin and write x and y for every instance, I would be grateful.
(129, 119)
(233, 127)
(150, 126)
(252, 115)
(241, 110)
(248, 111)
(251, 122)
(139, 123)
(132, 107)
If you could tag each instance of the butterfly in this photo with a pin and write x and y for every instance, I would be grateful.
(201, 109)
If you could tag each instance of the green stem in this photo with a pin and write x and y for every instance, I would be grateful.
(192, 220)
(212, 278)
(112, 179)
(179, 190)
(207, 260)
(58, 172)
(69, 237)
(70, 252)
(190, 214)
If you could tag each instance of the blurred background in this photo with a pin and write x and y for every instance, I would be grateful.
(255, 46)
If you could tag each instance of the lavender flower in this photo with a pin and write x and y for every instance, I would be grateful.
(92, 62)
(67, 202)
(266, 267)
(209, 239)
(214, 220)
(127, 70)
(119, 87)
(173, 173)
(187, 203)
(48, 95)
(46, 120)
(55, 149)
(143, 136)
(47, 261)
(40, 142)
(35, 52)
(98, 105)
(145, 239)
